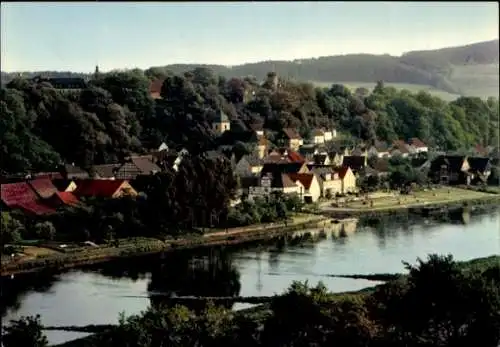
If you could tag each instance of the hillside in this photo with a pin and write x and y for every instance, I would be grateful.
(470, 70)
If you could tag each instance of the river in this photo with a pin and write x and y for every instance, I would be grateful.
(97, 296)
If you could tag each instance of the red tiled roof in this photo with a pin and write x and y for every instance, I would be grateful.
(101, 188)
(295, 157)
(50, 175)
(304, 178)
(416, 142)
(21, 195)
(401, 146)
(43, 187)
(68, 198)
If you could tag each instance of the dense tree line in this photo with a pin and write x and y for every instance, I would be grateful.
(439, 303)
(115, 115)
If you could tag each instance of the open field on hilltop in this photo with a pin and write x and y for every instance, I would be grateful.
(476, 80)
(411, 87)
(442, 196)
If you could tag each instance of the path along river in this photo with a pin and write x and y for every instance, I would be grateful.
(97, 296)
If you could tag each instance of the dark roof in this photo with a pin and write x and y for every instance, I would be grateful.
(307, 150)
(342, 171)
(256, 126)
(381, 165)
(319, 159)
(213, 155)
(248, 181)
(304, 178)
(291, 133)
(453, 162)
(72, 171)
(106, 170)
(285, 168)
(479, 164)
(280, 180)
(355, 162)
(381, 146)
(137, 165)
(220, 117)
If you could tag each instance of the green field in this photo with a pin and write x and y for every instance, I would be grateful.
(400, 86)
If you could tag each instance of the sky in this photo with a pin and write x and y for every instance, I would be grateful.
(122, 35)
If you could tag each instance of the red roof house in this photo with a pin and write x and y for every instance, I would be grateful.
(104, 188)
(43, 187)
(22, 196)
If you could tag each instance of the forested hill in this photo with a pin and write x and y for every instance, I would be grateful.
(470, 70)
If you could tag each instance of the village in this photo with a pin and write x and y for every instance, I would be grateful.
(318, 169)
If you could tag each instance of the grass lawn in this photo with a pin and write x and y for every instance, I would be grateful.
(438, 196)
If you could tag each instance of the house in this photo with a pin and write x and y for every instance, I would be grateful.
(64, 185)
(273, 182)
(309, 187)
(248, 165)
(480, 167)
(43, 187)
(450, 169)
(293, 139)
(329, 134)
(257, 128)
(348, 180)
(479, 150)
(163, 147)
(400, 148)
(381, 166)
(329, 181)
(105, 171)
(360, 151)
(318, 136)
(244, 184)
(336, 158)
(104, 188)
(221, 123)
(417, 145)
(308, 151)
(284, 167)
(135, 166)
(155, 88)
(262, 146)
(380, 150)
(21, 196)
(284, 155)
(355, 162)
(70, 171)
(321, 159)
(63, 199)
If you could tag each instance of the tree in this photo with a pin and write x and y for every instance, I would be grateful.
(11, 229)
(45, 230)
(26, 331)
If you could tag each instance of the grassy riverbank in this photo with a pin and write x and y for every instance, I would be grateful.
(428, 199)
(42, 258)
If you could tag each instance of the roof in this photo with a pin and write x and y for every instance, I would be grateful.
(256, 126)
(155, 88)
(381, 146)
(63, 198)
(280, 180)
(401, 146)
(220, 116)
(292, 134)
(50, 175)
(100, 188)
(307, 150)
(342, 171)
(286, 168)
(479, 164)
(21, 195)
(381, 165)
(319, 158)
(304, 178)
(61, 184)
(106, 170)
(318, 132)
(73, 171)
(295, 157)
(248, 181)
(252, 160)
(43, 187)
(453, 162)
(145, 164)
(416, 142)
(355, 162)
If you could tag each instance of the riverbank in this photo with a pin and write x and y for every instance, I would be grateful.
(260, 312)
(53, 259)
(421, 202)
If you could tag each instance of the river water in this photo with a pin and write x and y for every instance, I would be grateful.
(97, 296)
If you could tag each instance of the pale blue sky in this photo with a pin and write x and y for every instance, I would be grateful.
(76, 36)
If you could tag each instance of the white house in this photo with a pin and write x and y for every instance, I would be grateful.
(309, 186)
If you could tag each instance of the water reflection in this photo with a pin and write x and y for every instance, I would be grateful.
(211, 275)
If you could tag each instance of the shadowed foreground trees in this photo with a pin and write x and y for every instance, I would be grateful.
(437, 304)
